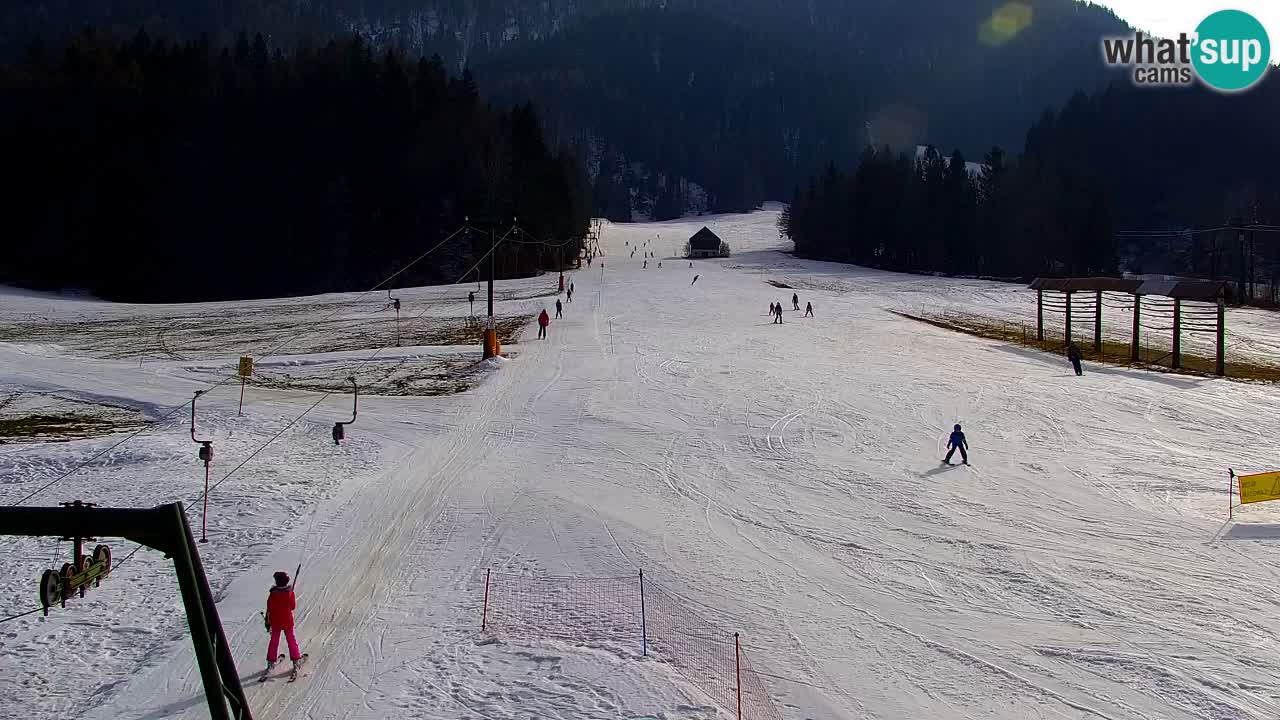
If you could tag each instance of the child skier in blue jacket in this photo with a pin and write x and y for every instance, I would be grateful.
(957, 442)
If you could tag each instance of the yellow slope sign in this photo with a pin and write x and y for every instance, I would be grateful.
(246, 366)
(1259, 487)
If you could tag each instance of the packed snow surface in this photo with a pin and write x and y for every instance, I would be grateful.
(784, 479)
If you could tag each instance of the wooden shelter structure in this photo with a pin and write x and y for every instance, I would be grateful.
(1154, 299)
(706, 244)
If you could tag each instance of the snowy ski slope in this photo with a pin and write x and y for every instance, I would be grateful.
(785, 479)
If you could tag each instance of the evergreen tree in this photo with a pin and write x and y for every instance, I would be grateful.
(322, 169)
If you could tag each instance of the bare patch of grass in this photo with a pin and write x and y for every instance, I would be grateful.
(426, 377)
(59, 427)
(467, 332)
(208, 335)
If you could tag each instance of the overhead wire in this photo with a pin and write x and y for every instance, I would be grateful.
(328, 393)
(274, 437)
(93, 458)
(293, 421)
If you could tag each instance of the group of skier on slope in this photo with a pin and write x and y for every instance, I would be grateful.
(775, 309)
(544, 319)
(281, 602)
(280, 598)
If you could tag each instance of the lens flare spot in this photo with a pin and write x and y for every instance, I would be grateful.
(1004, 24)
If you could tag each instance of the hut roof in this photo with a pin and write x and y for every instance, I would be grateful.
(1180, 289)
(704, 239)
(1106, 284)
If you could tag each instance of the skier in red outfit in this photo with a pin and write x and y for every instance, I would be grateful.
(280, 605)
(543, 321)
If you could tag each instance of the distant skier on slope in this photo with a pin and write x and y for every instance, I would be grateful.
(646, 264)
(795, 301)
(778, 313)
(559, 309)
(569, 294)
(1074, 355)
(808, 309)
(773, 311)
(543, 321)
(471, 298)
(279, 617)
(957, 442)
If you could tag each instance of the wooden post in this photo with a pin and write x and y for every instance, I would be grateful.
(1137, 324)
(241, 411)
(1068, 336)
(644, 631)
(1040, 315)
(1222, 338)
(737, 668)
(1177, 333)
(1097, 322)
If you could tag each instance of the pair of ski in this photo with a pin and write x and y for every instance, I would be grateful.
(293, 673)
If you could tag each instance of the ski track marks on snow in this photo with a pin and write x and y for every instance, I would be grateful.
(783, 480)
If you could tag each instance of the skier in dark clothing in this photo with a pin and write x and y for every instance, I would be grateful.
(778, 313)
(957, 442)
(1074, 355)
(773, 311)
(543, 321)
(795, 301)
(559, 308)
(808, 309)
(471, 298)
